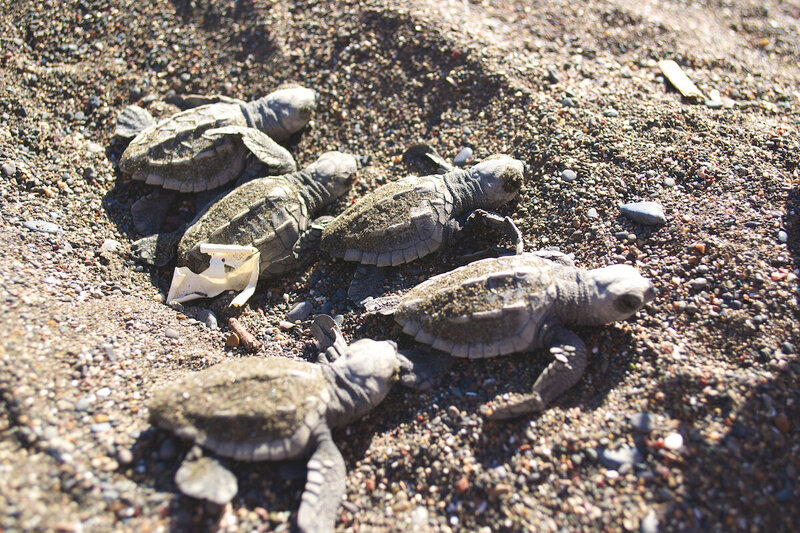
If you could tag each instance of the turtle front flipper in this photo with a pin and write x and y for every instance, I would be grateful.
(325, 485)
(150, 211)
(498, 222)
(188, 101)
(132, 121)
(566, 369)
(277, 158)
(329, 337)
(424, 154)
(306, 248)
(159, 249)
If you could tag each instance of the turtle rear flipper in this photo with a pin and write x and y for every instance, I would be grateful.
(423, 370)
(274, 156)
(188, 101)
(566, 369)
(366, 282)
(206, 478)
(132, 120)
(159, 249)
(325, 485)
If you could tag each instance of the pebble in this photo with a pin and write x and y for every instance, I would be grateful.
(463, 156)
(647, 213)
(206, 479)
(109, 245)
(300, 311)
(124, 456)
(9, 168)
(95, 148)
(642, 422)
(669, 182)
(419, 518)
(782, 423)
(787, 348)
(714, 104)
(100, 427)
(42, 226)
(649, 523)
(698, 283)
(171, 334)
(626, 455)
(592, 213)
(783, 236)
(569, 175)
(232, 341)
(462, 485)
(610, 112)
(168, 450)
(207, 317)
(673, 441)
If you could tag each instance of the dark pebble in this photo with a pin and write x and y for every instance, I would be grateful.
(647, 213)
(300, 311)
(642, 422)
(788, 348)
(168, 450)
(463, 156)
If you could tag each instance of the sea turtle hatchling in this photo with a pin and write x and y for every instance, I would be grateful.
(518, 303)
(414, 216)
(207, 146)
(273, 214)
(271, 409)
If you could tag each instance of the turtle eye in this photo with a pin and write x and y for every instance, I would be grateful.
(628, 303)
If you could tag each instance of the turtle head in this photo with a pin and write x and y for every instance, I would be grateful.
(334, 172)
(281, 113)
(370, 368)
(500, 177)
(613, 293)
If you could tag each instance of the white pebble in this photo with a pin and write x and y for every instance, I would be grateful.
(673, 441)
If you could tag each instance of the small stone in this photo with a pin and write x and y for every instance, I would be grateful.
(649, 523)
(94, 148)
(419, 518)
(9, 168)
(104, 392)
(669, 182)
(592, 213)
(124, 456)
(285, 324)
(698, 283)
(206, 479)
(168, 450)
(647, 213)
(207, 317)
(610, 112)
(102, 427)
(787, 348)
(783, 236)
(463, 156)
(462, 485)
(171, 334)
(616, 458)
(232, 341)
(673, 441)
(642, 422)
(369, 484)
(714, 104)
(42, 226)
(300, 311)
(569, 175)
(782, 423)
(109, 245)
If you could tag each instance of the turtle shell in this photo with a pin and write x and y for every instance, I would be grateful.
(483, 309)
(268, 213)
(178, 154)
(395, 224)
(254, 408)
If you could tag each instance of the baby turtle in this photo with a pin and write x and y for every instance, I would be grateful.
(273, 214)
(204, 147)
(415, 216)
(519, 303)
(271, 409)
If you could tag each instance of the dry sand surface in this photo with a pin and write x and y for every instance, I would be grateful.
(688, 416)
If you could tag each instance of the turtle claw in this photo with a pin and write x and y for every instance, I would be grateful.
(132, 120)
(425, 154)
(423, 371)
(518, 406)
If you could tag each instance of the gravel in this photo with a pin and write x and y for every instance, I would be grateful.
(709, 363)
